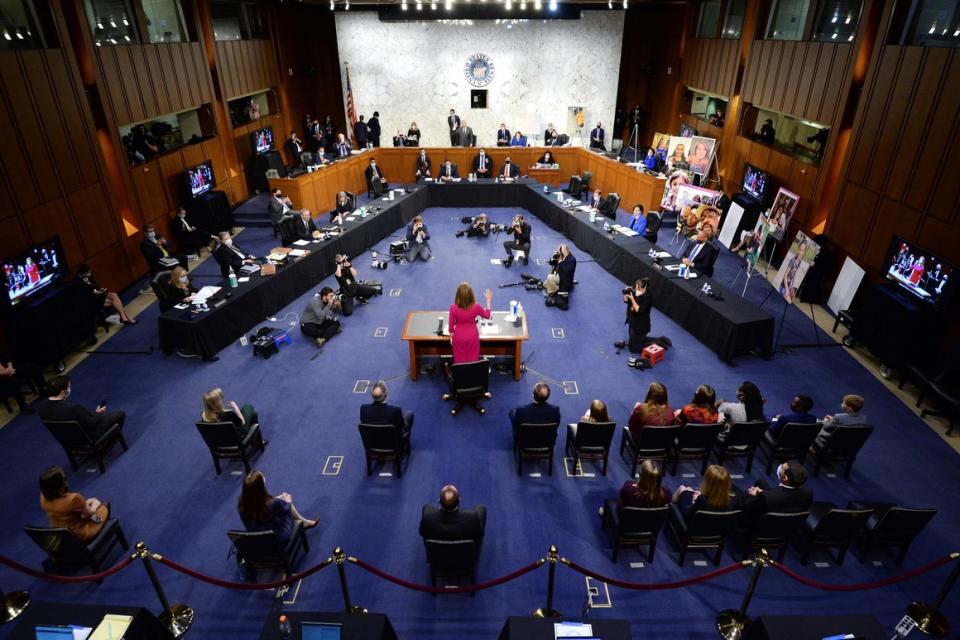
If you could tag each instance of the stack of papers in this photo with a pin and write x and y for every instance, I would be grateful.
(204, 294)
(301, 243)
(296, 253)
(584, 208)
(662, 254)
(489, 329)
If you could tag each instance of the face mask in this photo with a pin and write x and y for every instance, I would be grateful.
(66, 393)
(228, 242)
(152, 235)
(183, 279)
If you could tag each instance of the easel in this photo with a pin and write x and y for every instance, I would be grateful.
(816, 330)
(634, 140)
(715, 166)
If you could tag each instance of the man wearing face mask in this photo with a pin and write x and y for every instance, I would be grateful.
(374, 176)
(789, 496)
(155, 251)
(229, 255)
(191, 238)
(423, 165)
(56, 407)
(482, 165)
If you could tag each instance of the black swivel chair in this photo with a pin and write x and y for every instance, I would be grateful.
(573, 187)
(829, 527)
(772, 531)
(287, 234)
(590, 441)
(535, 442)
(654, 220)
(224, 267)
(450, 559)
(262, 550)
(160, 284)
(585, 179)
(705, 530)
(634, 527)
(468, 385)
(225, 443)
(843, 445)
(610, 206)
(66, 550)
(385, 442)
(77, 443)
(695, 442)
(791, 443)
(891, 526)
(654, 444)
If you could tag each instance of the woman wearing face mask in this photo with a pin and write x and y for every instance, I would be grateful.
(107, 299)
(180, 289)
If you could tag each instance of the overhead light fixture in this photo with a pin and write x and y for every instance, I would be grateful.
(537, 5)
(347, 6)
(6, 35)
(956, 33)
(433, 6)
(112, 23)
(403, 5)
(849, 18)
(508, 5)
(448, 5)
(609, 4)
(99, 24)
(523, 5)
(332, 5)
(553, 5)
(850, 38)
(933, 28)
(834, 36)
(125, 23)
(833, 20)
(624, 4)
(419, 6)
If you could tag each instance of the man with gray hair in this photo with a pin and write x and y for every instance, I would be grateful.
(379, 412)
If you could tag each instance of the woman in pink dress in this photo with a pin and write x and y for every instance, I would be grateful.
(462, 320)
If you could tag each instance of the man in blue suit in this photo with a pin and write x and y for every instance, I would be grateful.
(379, 412)
(537, 412)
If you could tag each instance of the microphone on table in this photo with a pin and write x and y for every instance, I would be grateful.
(439, 325)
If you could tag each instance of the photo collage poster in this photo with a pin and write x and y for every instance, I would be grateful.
(701, 154)
(661, 145)
(803, 252)
(784, 206)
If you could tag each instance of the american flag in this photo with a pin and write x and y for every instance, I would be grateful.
(351, 110)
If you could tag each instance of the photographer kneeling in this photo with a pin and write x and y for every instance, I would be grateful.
(478, 227)
(561, 277)
(350, 288)
(520, 230)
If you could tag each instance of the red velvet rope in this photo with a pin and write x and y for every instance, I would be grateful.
(250, 586)
(96, 577)
(649, 586)
(863, 586)
(468, 589)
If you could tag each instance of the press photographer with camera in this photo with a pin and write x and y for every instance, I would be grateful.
(476, 227)
(564, 266)
(419, 239)
(321, 319)
(350, 289)
(520, 230)
(639, 304)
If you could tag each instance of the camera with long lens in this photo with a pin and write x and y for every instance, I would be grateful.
(628, 290)
(531, 283)
(497, 228)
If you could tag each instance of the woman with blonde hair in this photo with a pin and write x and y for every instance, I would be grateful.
(462, 322)
(242, 418)
(261, 511)
(180, 288)
(713, 494)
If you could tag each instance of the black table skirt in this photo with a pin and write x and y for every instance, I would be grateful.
(806, 627)
(145, 625)
(370, 626)
(729, 327)
(526, 628)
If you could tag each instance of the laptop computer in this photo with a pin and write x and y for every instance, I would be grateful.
(53, 633)
(319, 631)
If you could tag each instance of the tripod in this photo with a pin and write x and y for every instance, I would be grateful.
(634, 140)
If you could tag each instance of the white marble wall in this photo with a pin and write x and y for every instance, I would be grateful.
(413, 71)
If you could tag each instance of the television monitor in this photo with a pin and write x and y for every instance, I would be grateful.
(686, 131)
(200, 178)
(34, 270)
(920, 273)
(755, 181)
(261, 140)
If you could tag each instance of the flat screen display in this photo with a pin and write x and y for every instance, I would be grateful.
(319, 631)
(200, 178)
(262, 140)
(34, 270)
(755, 181)
(920, 273)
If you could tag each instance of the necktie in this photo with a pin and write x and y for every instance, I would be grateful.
(696, 250)
(482, 162)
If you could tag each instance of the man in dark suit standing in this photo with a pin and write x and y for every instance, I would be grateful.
(374, 126)
(361, 132)
(790, 496)
(465, 135)
(304, 228)
(482, 166)
(450, 522)
(703, 254)
(509, 170)
(314, 135)
(596, 138)
(453, 125)
(56, 407)
(229, 255)
(448, 171)
(537, 412)
(373, 172)
(423, 165)
(295, 148)
(379, 412)
(503, 136)
(154, 250)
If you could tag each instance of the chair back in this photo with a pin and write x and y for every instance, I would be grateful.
(574, 185)
(840, 525)
(382, 438)
(307, 159)
(257, 548)
(224, 267)
(642, 523)
(847, 440)
(451, 556)
(746, 434)
(795, 438)
(900, 525)
(536, 437)
(697, 438)
(69, 434)
(585, 180)
(711, 526)
(655, 441)
(594, 436)
(775, 528)
(160, 284)
(470, 379)
(612, 204)
(219, 436)
(62, 546)
(653, 223)
(286, 230)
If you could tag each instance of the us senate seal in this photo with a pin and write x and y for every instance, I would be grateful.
(479, 70)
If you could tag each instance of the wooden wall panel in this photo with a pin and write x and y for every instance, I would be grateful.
(149, 189)
(853, 216)
(81, 139)
(245, 66)
(710, 64)
(921, 184)
(13, 240)
(94, 221)
(53, 218)
(892, 218)
(872, 114)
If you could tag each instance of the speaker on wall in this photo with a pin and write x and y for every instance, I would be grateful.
(478, 98)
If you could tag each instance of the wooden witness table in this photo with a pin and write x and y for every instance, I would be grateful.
(420, 332)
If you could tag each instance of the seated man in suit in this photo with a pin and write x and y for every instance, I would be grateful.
(703, 254)
(321, 157)
(295, 147)
(537, 412)
(379, 412)
(503, 136)
(482, 166)
(450, 522)
(191, 238)
(790, 496)
(596, 138)
(448, 172)
(230, 256)
(373, 174)
(850, 415)
(154, 250)
(800, 408)
(56, 407)
(279, 206)
(423, 165)
(343, 147)
(509, 170)
(304, 227)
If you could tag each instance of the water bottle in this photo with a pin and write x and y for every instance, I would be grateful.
(520, 310)
(286, 631)
(232, 278)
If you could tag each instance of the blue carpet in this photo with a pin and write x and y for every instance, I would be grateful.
(165, 492)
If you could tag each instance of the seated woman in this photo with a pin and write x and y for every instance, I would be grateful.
(110, 300)
(713, 494)
(242, 418)
(702, 409)
(654, 411)
(638, 221)
(413, 135)
(84, 518)
(343, 207)
(747, 408)
(647, 491)
(547, 158)
(399, 139)
(180, 287)
(518, 139)
(261, 511)
(596, 413)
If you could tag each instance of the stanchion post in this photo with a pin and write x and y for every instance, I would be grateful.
(553, 556)
(731, 623)
(928, 617)
(340, 557)
(177, 618)
(13, 605)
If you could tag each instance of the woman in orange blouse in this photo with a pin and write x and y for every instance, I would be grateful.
(84, 518)
(702, 409)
